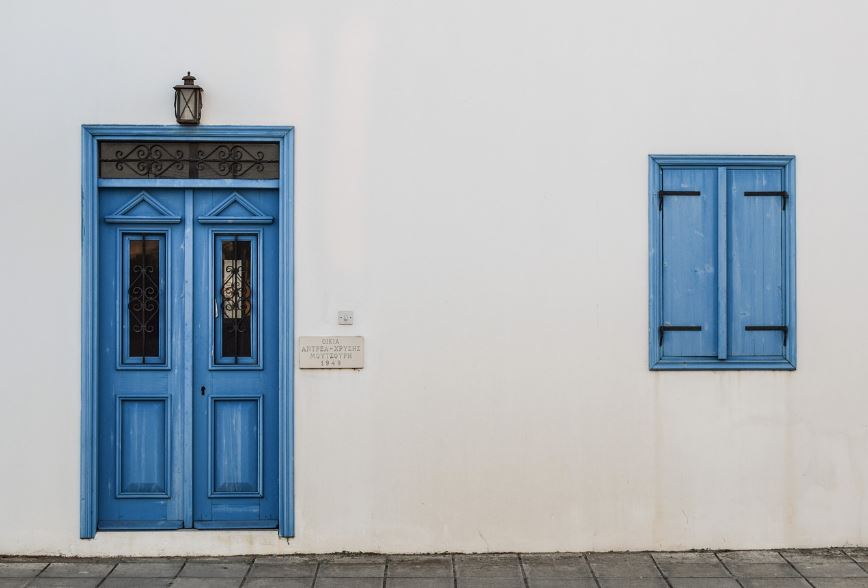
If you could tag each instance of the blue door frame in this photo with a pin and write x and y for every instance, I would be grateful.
(91, 183)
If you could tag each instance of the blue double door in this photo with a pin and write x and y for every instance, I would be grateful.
(188, 364)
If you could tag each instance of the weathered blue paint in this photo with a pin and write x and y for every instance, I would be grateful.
(756, 260)
(722, 261)
(150, 463)
(143, 208)
(185, 183)
(235, 451)
(722, 265)
(235, 209)
(140, 475)
(689, 269)
(143, 459)
(235, 421)
(188, 352)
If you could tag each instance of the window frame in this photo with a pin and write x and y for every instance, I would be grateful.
(218, 360)
(124, 360)
(656, 165)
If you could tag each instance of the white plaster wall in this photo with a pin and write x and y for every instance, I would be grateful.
(472, 181)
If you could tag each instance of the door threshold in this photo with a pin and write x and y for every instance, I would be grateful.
(139, 525)
(237, 525)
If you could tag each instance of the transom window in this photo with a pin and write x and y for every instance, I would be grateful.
(189, 160)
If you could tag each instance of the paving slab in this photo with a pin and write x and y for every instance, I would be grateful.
(828, 555)
(762, 570)
(633, 583)
(840, 582)
(153, 560)
(490, 582)
(21, 570)
(419, 583)
(704, 557)
(348, 583)
(623, 565)
(224, 559)
(13, 582)
(353, 568)
(195, 569)
(136, 583)
(76, 570)
(751, 557)
(562, 583)
(420, 566)
(206, 583)
(693, 570)
(286, 559)
(291, 569)
(367, 559)
(704, 583)
(277, 583)
(830, 569)
(488, 566)
(860, 554)
(65, 582)
(147, 569)
(775, 583)
(555, 566)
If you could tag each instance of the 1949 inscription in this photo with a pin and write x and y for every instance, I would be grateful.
(331, 352)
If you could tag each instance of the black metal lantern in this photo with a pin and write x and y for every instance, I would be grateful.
(188, 101)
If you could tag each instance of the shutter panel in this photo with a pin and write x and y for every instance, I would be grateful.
(689, 273)
(756, 262)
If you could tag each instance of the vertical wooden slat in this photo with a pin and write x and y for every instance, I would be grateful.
(689, 252)
(187, 472)
(757, 259)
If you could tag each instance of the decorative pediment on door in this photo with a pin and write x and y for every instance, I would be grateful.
(144, 208)
(236, 209)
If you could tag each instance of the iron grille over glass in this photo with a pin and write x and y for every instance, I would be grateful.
(236, 299)
(144, 297)
(189, 160)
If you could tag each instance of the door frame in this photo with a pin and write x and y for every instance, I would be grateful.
(90, 185)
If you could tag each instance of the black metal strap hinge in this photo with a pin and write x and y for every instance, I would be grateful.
(663, 328)
(783, 328)
(783, 195)
(663, 193)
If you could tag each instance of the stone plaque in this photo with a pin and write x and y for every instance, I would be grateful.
(331, 352)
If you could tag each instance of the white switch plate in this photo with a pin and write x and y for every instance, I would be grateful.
(345, 317)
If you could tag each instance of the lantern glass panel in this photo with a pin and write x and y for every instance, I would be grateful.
(187, 104)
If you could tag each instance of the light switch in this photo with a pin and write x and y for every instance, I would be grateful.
(345, 317)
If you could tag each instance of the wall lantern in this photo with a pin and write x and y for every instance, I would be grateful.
(188, 101)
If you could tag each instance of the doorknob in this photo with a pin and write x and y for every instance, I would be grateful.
(203, 390)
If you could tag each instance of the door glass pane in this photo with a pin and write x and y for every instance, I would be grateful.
(143, 294)
(236, 296)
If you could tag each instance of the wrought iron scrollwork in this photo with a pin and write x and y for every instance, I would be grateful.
(149, 160)
(189, 160)
(144, 298)
(237, 302)
(232, 160)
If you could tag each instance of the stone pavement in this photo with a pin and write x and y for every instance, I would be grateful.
(823, 568)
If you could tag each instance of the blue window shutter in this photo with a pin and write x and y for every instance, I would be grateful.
(756, 262)
(689, 255)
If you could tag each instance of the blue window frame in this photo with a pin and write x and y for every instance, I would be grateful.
(722, 262)
(237, 300)
(143, 297)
